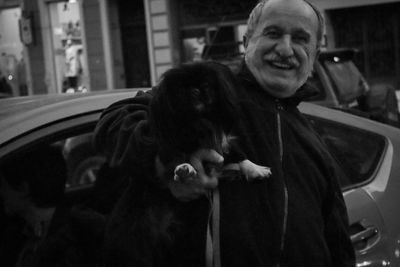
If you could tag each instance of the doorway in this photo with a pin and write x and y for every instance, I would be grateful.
(134, 43)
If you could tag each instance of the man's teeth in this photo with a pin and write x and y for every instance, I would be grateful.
(281, 65)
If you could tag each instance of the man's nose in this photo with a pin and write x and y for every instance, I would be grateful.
(284, 46)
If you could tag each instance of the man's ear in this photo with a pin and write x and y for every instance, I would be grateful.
(316, 58)
(245, 41)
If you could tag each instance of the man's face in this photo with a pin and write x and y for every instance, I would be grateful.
(282, 50)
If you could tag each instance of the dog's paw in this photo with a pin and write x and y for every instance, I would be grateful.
(184, 172)
(253, 171)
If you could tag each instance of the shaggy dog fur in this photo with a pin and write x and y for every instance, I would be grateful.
(194, 107)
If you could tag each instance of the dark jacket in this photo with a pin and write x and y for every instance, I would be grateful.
(297, 217)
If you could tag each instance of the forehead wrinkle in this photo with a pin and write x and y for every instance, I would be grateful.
(286, 30)
(292, 29)
(301, 11)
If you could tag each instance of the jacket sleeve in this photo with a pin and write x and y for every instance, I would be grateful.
(123, 135)
(337, 224)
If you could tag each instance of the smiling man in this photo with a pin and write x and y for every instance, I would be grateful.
(307, 213)
(282, 45)
(297, 217)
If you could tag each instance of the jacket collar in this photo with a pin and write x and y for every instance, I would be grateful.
(304, 92)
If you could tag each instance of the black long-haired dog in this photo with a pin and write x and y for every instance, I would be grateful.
(196, 107)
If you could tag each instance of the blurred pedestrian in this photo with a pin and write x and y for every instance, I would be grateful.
(73, 65)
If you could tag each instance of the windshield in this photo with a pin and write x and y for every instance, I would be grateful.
(347, 80)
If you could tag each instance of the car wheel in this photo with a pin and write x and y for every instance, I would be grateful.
(86, 171)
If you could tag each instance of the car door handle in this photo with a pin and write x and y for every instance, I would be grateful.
(364, 235)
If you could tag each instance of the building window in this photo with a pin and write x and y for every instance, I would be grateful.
(375, 31)
(195, 12)
(213, 30)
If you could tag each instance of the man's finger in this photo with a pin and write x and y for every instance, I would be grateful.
(207, 182)
(204, 157)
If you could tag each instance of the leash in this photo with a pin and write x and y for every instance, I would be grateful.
(213, 249)
(213, 252)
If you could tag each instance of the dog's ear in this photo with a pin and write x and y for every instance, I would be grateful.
(171, 110)
(159, 110)
(226, 85)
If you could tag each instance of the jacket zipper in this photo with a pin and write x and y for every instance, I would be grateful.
(286, 199)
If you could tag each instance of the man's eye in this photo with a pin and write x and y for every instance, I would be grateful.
(195, 92)
(272, 33)
(301, 38)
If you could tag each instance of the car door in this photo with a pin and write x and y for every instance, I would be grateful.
(361, 154)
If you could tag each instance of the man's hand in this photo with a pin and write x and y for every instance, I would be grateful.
(191, 189)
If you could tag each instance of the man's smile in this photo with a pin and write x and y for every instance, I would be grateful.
(281, 65)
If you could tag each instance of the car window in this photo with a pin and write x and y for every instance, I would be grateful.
(80, 157)
(346, 79)
(47, 194)
(83, 161)
(356, 150)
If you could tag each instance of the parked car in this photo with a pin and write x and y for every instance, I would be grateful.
(368, 151)
(341, 85)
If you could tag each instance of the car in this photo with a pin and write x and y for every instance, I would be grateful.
(341, 85)
(368, 151)
(369, 154)
(23, 114)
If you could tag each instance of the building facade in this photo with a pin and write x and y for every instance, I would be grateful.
(52, 46)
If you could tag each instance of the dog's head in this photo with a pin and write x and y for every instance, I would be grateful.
(194, 103)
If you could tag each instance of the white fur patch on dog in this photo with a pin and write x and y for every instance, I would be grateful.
(184, 172)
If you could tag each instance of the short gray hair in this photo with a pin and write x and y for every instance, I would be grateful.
(255, 15)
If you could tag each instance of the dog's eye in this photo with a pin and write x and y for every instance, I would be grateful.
(195, 92)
